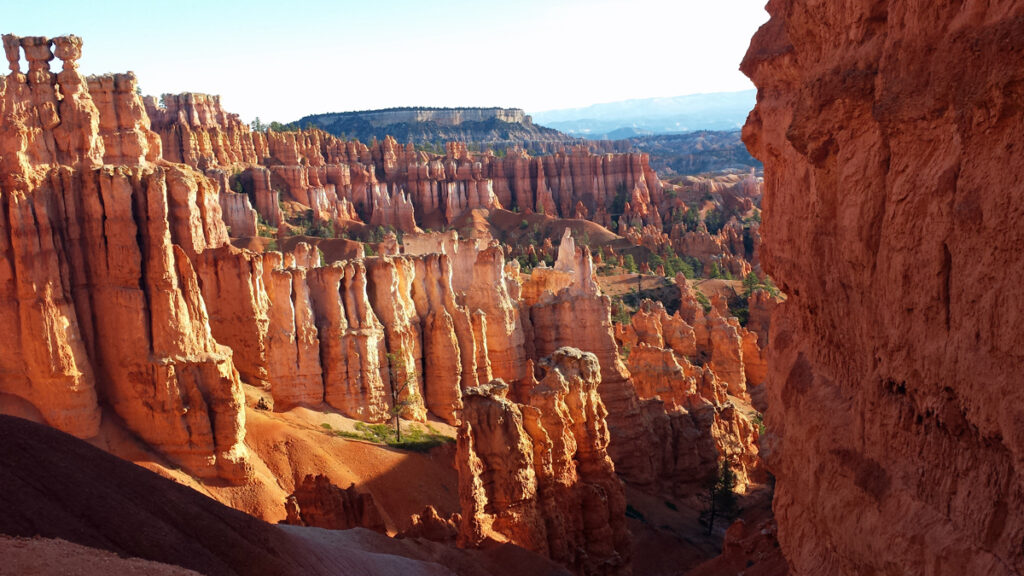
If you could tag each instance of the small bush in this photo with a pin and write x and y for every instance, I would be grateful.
(742, 314)
(629, 263)
(634, 513)
(704, 302)
(620, 313)
(758, 421)
(321, 230)
(414, 437)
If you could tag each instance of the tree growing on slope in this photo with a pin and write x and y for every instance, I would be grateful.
(721, 498)
(401, 398)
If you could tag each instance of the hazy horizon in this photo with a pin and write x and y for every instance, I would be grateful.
(282, 61)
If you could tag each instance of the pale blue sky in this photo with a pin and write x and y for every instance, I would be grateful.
(282, 60)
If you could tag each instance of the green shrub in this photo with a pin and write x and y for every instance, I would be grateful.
(629, 263)
(415, 438)
(620, 313)
(703, 301)
(758, 421)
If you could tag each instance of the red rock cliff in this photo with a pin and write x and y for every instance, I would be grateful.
(96, 280)
(538, 474)
(390, 184)
(891, 136)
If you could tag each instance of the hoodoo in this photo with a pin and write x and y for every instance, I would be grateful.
(177, 290)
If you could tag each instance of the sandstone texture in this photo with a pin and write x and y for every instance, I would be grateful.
(538, 474)
(56, 486)
(389, 184)
(99, 282)
(692, 407)
(889, 133)
(317, 502)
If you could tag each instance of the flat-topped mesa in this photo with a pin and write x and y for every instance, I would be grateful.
(441, 116)
(502, 127)
(889, 132)
(538, 474)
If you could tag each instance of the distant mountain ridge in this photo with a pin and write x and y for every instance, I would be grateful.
(423, 125)
(721, 111)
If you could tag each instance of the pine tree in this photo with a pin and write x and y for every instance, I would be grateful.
(750, 283)
(721, 498)
(400, 380)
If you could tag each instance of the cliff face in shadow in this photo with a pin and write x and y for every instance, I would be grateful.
(890, 134)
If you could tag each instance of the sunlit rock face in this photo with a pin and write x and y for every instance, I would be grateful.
(387, 183)
(100, 289)
(890, 134)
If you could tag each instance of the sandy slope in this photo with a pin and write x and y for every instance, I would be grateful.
(56, 557)
(56, 486)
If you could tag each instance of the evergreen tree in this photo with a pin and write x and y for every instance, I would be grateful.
(721, 497)
(400, 381)
(750, 283)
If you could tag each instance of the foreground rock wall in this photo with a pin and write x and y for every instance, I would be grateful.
(890, 134)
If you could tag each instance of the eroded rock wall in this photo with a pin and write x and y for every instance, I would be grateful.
(97, 260)
(538, 474)
(890, 134)
(393, 185)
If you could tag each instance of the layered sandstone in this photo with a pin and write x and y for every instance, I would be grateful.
(98, 261)
(347, 333)
(392, 185)
(538, 474)
(127, 301)
(686, 393)
(889, 132)
(578, 315)
(317, 502)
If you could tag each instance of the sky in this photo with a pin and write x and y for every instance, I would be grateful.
(285, 59)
